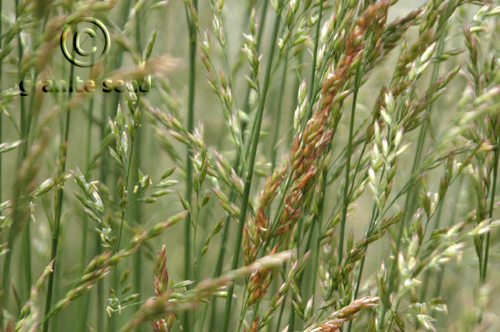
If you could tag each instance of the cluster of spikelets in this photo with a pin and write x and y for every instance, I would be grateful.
(306, 163)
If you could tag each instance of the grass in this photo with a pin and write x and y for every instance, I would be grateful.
(314, 165)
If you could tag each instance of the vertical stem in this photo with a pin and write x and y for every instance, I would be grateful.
(84, 304)
(439, 282)
(291, 323)
(189, 166)
(248, 181)
(409, 194)
(427, 275)
(309, 114)
(257, 48)
(137, 262)
(492, 203)
(6, 267)
(103, 175)
(217, 272)
(25, 131)
(317, 221)
(119, 56)
(368, 233)
(282, 309)
(112, 321)
(315, 55)
(298, 81)
(1, 117)
(220, 256)
(85, 301)
(58, 205)
(421, 138)
(26, 244)
(348, 165)
(278, 115)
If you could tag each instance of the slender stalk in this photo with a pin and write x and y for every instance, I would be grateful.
(119, 56)
(116, 101)
(24, 133)
(217, 271)
(127, 173)
(428, 272)
(315, 55)
(84, 304)
(423, 132)
(85, 301)
(298, 81)
(481, 216)
(1, 189)
(278, 115)
(220, 256)
(348, 166)
(248, 181)
(98, 247)
(188, 259)
(26, 243)
(133, 140)
(58, 206)
(361, 266)
(370, 231)
(282, 309)
(22, 154)
(409, 196)
(317, 221)
(392, 273)
(492, 203)
(33, 116)
(118, 61)
(309, 114)
(246, 108)
(137, 261)
(1, 118)
(439, 282)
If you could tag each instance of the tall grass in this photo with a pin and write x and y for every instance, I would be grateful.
(332, 165)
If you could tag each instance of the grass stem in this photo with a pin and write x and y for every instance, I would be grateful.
(248, 179)
(314, 62)
(348, 166)
(188, 259)
(58, 206)
(492, 204)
